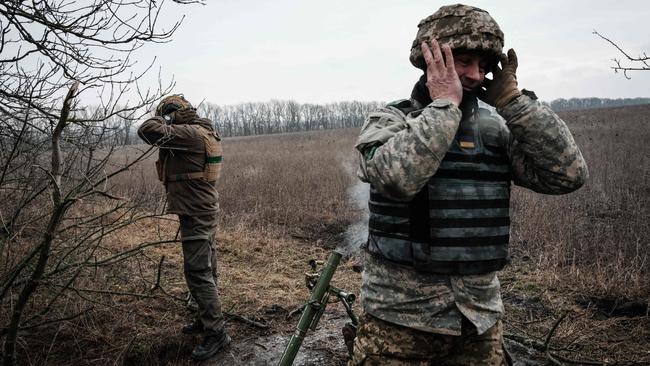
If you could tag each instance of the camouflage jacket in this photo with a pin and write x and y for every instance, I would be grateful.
(400, 152)
(182, 148)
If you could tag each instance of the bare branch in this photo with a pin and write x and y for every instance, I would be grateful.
(60, 199)
(640, 63)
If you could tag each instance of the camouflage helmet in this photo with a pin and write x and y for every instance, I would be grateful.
(172, 103)
(463, 27)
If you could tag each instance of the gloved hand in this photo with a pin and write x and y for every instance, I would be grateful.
(502, 89)
(184, 115)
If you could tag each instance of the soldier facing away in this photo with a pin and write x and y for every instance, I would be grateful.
(440, 166)
(188, 165)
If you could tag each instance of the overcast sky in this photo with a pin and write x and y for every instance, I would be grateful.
(230, 52)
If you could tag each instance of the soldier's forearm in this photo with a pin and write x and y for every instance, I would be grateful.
(153, 131)
(404, 163)
(544, 155)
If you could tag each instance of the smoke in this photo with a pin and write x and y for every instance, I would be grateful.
(357, 233)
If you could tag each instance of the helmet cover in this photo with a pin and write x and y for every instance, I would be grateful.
(172, 103)
(462, 27)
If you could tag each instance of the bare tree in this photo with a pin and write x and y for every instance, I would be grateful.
(277, 116)
(60, 198)
(628, 63)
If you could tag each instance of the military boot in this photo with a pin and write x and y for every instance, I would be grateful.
(211, 345)
(194, 327)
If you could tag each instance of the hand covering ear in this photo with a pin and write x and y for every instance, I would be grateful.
(502, 89)
(185, 115)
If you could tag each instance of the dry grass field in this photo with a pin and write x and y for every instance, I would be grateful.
(580, 261)
(586, 255)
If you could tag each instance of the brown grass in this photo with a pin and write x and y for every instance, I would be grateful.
(595, 240)
(586, 253)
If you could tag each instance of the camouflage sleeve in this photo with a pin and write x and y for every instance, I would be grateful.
(399, 153)
(155, 131)
(543, 154)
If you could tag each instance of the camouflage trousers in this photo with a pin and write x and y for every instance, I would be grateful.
(200, 268)
(382, 343)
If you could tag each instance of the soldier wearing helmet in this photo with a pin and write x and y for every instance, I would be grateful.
(188, 165)
(440, 165)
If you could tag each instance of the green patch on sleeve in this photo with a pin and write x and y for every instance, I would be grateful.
(214, 159)
(371, 152)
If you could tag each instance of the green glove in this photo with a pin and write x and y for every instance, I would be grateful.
(502, 89)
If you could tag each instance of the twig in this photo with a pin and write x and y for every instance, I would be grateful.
(157, 285)
(552, 331)
(175, 298)
(295, 311)
(643, 60)
(246, 320)
(108, 292)
(52, 321)
(526, 341)
(550, 356)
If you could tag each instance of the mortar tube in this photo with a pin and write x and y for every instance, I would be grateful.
(311, 309)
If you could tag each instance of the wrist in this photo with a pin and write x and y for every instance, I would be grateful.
(447, 99)
(505, 98)
(441, 102)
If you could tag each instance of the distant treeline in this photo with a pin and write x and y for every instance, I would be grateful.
(585, 103)
(279, 116)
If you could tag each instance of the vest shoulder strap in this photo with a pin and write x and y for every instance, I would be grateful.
(213, 154)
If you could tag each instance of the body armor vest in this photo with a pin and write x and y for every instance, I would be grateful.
(211, 168)
(459, 222)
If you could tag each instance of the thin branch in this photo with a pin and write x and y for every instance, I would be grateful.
(108, 292)
(157, 284)
(643, 60)
(244, 319)
(552, 331)
(58, 320)
(640, 58)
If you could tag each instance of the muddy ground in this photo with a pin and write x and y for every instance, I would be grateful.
(325, 347)
(579, 337)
